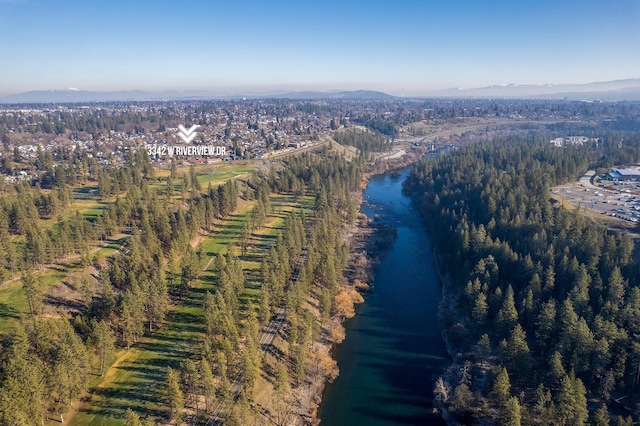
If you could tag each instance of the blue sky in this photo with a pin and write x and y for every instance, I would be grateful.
(231, 45)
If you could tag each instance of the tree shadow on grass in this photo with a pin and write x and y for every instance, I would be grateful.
(7, 311)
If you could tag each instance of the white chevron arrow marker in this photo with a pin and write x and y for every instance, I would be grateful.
(187, 135)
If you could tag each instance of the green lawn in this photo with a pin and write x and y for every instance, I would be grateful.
(136, 379)
(13, 302)
(222, 173)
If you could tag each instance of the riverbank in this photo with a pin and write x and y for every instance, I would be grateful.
(387, 164)
(450, 319)
(370, 241)
(393, 348)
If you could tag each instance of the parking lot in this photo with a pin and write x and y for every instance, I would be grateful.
(619, 200)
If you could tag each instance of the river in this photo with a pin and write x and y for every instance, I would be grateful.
(393, 349)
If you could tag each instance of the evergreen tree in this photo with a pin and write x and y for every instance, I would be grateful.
(601, 417)
(32, 286)
(131, 418)
(512, 415)
(207, 383)
(507, 316)
(572, 401)
(502, 385)
(174, 395)
(23, 398)
(104, 343)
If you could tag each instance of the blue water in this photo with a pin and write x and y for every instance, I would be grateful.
(393, 350)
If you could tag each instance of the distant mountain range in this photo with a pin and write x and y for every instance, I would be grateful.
(617, 90)
(73, 95)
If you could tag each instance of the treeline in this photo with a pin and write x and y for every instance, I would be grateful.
(316, 300)
(328, 174)
(542, 303)
(365, 141)
(231, 342)
(45, 368)
(93, 121)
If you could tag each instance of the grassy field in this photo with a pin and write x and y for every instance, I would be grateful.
(13, 302)
(137, 378)
(222, 173)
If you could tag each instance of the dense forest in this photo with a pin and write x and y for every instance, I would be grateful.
(540, 303)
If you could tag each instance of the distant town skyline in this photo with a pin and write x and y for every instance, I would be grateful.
(404, 47)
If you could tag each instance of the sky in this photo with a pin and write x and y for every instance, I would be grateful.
(399, 47)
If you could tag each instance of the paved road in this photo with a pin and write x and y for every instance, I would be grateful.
(272, 330)
(585, 180)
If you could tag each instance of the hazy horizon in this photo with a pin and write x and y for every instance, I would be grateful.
(408, 48)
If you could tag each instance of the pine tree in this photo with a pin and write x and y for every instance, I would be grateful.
(484, 347)
(511, 414)
(174, 395)
(208, 384)
(132, 317)
(190, 379)
(104, 343)
(23, 395)
(33, 290)
(546, 322)
(211, 314)
(501, 386)
(479, 312)
(245, 235)
(281, 384)
(572, 400)
(507, 316)
(157, 301)
(601, 417)
(519, 350)
(70, 367)
(616, 287)
(131, 418)
(194, 178)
